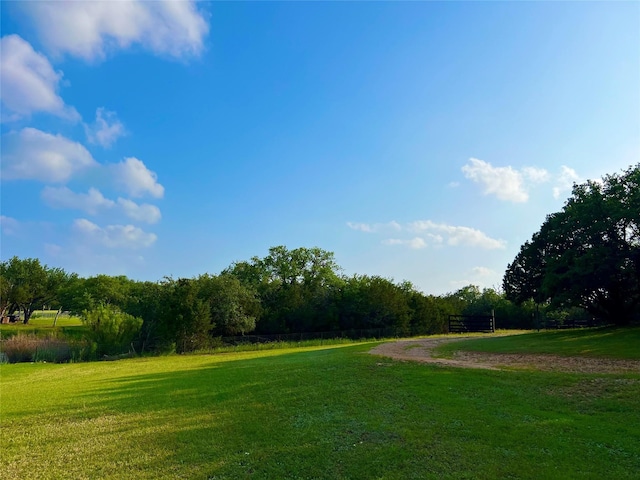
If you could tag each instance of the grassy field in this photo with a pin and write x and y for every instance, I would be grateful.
(41, 324)
(622, 343)
(325, 412)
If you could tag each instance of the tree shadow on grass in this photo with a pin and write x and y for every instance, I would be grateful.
(320, 414)
(231, 418)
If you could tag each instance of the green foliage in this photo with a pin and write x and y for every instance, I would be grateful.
(110, 330)
(296, 288)
(588, 254)
(186, 317)
(80, 294)
(233, 308)
(27, 285)
(374, 302)
(287, 292)
(429, 314)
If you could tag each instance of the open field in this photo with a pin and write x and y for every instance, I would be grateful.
(321, 412)
(41, 324)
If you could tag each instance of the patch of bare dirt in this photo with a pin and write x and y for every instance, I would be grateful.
(421, 351)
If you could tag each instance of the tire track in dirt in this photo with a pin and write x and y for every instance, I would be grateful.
(421, 350)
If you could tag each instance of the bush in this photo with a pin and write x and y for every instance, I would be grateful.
(110, 331)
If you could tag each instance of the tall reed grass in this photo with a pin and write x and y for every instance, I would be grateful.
(33, 348)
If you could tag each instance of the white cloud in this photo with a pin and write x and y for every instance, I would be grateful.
(8, 225)
(536, 175)
(457, 235)
(91, 202)
(90, 30)
(375, 227)
(114, 236)
(431, 233)
(565, 181)
(482, 277)
(507, 183)
(482, 272)
(105, 130)
(137, 179)
(28, 82)
(143, 213)
(414, 243)
(36, 155)
(503, 182)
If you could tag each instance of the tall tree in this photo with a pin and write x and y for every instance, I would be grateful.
(28, 285)
(588, 254)
(233, 307)
(372, 302)
(187, 318)
(295, 288)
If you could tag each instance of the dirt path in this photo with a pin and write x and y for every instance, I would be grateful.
(421, 351)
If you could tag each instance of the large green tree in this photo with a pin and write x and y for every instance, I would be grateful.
(80, 294)
(373, 302)
(27, 285)
(233, 307)
(588, 254)
(295, 287)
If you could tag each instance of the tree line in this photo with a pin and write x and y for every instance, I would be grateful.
(288, 291)
(584, 263)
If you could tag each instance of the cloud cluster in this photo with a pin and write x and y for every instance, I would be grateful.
(504, 182)
(414, 243)
(91, 202)
(32, 154)
(456, 235)
(114, 236)
(375, 227)
(136, 179)
(94, 202)
(430, 233)
(91, 30)
(510, 184)
(28, 83)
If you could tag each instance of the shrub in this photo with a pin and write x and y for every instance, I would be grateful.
(110, 330)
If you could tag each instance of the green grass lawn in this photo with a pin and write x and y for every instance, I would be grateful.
(622, 343)
(43, 326)
(326, 412)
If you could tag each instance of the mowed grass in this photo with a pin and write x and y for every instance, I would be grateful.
(327, 412)
(43, 326)
(620, 343)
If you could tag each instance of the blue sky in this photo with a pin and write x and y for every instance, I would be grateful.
(419, 141)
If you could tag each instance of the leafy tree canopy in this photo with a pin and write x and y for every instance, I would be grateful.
(588, 254)
(27, 284)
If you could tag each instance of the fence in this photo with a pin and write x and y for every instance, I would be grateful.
(472, 323)
(573, 323)
(298, 337)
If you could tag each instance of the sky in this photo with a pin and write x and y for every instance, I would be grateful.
(419, 141)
